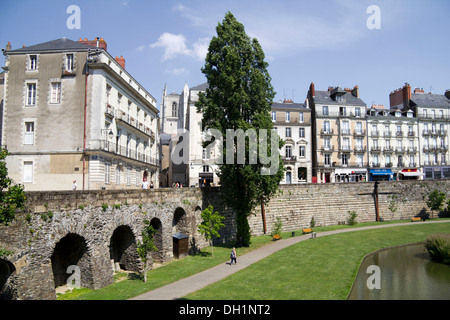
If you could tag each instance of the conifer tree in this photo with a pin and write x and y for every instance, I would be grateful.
(239, 96)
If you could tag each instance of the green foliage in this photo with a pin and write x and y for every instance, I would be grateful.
(277, 226)
(12, 196)
(438, 246)
(352, 218)
(211, 224)
(104, 207)
(240, 96)
(147, 245)
(5, 253)
(436, 200)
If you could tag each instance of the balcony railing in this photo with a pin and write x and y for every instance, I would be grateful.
(123, 151)
(360, 149)
(345, 132)
(359, 133)
(325, 132)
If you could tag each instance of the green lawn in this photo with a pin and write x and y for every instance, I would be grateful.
(319, 269)
(323, 268)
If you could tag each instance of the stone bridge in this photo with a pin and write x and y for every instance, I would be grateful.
(96, 231)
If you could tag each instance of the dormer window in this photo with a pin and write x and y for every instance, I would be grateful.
(398, 114)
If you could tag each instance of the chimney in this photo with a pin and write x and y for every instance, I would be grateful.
(312, 89)
(287, 101)
(355, 92)
(417, 90)
(400, 96)
(447, 93)
(121, 61)
(97, 43)
(8, 46)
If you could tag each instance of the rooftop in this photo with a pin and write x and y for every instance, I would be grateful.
(62, 44)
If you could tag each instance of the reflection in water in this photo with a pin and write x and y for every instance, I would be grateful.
(406, 272)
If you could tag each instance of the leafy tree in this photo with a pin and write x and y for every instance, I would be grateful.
(240, 96)
(12, 196)
(436, 200)
(147, 245)
(211, 224)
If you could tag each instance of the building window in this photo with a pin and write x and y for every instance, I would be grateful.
(70, 65)
(28, 172)
(375, 160)
(174, 109)
(205, 154)
(33, 62)
(327, 159)
(325, 110)
(288, 116)
(107, 173)
(205, 169)
(326, 127)
(358, 112)
(29, 133)
(302, 173)
(345, 159)
(359, 160)
(301, 132)
(118, 174)
(288, 152)
(302, 151)
(301, 117)
(288, 132)
(274, 116)
(31, 94)
(55, 93)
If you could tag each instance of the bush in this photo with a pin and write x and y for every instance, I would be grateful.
(352, 218)
(438, 246)
(277, 227)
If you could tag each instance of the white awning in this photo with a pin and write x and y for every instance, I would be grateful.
(412, 174)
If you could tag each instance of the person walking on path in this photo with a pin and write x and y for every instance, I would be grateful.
(233, 256)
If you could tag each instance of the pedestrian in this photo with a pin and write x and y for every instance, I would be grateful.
(144, 184)
(233, 256)
(74, 186)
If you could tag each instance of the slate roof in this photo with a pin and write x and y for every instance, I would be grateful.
(288, 106)
(62, 44)
(430, 100)
(323, 97)
(201, 87)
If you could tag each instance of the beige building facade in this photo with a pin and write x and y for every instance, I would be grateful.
(339, 135)
(73, 113)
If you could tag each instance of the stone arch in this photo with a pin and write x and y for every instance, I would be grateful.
(158, 256)
(72, 250)
(7, 269)
(122, 248)
(180, 221)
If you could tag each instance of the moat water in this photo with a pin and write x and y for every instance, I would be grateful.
(404, 273)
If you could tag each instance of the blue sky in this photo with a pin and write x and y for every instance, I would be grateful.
(324, 41)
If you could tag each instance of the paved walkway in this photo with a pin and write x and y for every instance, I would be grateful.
(200, 280)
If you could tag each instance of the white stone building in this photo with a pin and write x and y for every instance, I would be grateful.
(73, 112)
(293, 124)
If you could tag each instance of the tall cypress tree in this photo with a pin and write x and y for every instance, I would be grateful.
(239, 96)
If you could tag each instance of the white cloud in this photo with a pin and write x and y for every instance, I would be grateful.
(175, 45)
(177, 71)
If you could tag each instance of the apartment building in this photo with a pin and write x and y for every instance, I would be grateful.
(73, 113)
(339, 137)
(393, 143)
(293, 124)
(433, 119)
(183, 124)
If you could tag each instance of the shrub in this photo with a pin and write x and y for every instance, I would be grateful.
(104, 206)
(277, 226)
(438, 246)
(352, 218)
